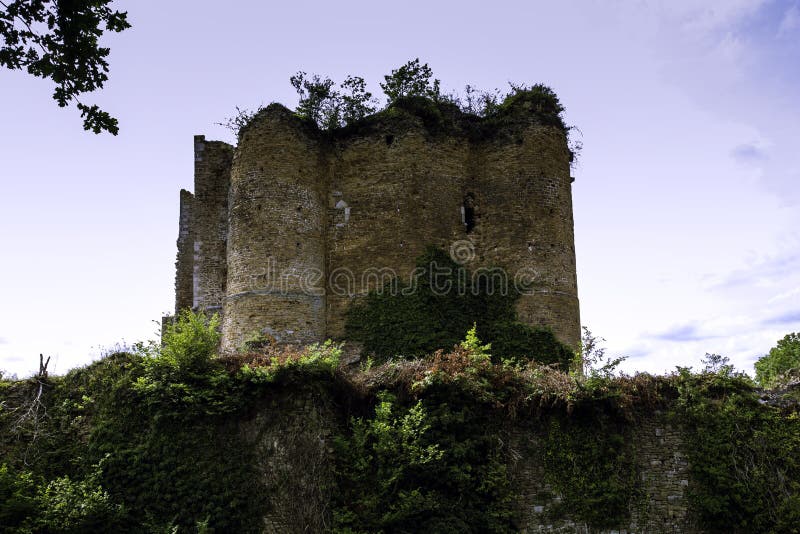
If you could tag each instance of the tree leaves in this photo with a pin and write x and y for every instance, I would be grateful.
(59, 40)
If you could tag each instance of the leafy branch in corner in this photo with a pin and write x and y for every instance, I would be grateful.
(59, 40)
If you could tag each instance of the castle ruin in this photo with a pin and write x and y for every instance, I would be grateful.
(283, 230)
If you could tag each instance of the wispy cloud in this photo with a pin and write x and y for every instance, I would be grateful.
(761, 273)
(790, 21)
(792, 293)
(687, 332)
(789, 317)
(748, 153)
(709, 15)
(3, 341)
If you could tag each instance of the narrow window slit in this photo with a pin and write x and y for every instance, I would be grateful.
(468, 212)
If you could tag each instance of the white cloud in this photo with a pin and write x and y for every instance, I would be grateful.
(792, 293)
(702, 16)
(790, 21)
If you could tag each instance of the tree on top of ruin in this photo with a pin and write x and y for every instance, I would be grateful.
(412, 79)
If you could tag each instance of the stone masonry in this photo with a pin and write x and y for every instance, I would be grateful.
(284, 231)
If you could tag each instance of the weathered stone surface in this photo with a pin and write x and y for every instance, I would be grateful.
(295, 225)
(292, 436)
(292, 433)
(663, 472)
(212, 163)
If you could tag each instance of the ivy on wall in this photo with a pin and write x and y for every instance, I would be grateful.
(744, 454)
(409, 321)
(149, 441)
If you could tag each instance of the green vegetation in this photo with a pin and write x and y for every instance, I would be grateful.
(412, 79)
(589, 460)
(145, 439)
(153, 441)
(412, 93)
(781, 364)
(327, 107)
(59, 41)
(434, 310)
(434, 465)
(60, 505)
(744, 455)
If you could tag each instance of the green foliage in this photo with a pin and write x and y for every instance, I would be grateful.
(538, 99)
(59, 41)
(61, 505)
(317, 99)
(477, 102)
(432, 465)
(189, 345)
(434, 310)
(315, 360)
(773, 369)
(356, 102)
(472, 344)
(327, 107)
(589, 462)
(152, 441)
(240, 120)
(413, 93)
(76, 506)
(592, 357)
(17, 499)
(183, 372)
(516, 341)
(744, 455)
(412, 79)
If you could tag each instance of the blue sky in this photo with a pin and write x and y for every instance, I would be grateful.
(686, 194)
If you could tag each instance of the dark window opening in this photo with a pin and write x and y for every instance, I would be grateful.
(389, 140)
(469, 212)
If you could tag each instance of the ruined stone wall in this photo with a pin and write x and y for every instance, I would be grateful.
(184, 265)
(212, 163)
(295, 226)
(276, 245)
(392, 194)
(663, 476)
(292, 433)
(524, 195)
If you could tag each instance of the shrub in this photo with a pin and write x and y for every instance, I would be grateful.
(76, 506)
(774, 369)
(190, 343)
(17, 498)
(312, 360)
(733, 443)
(412, 79)
(432, 466)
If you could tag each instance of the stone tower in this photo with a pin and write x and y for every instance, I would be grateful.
(287, 229)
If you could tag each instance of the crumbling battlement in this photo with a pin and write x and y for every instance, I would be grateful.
(286, 230)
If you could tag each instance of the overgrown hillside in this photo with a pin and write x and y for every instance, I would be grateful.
(173, 439)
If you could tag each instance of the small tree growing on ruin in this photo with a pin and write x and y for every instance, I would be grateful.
(412, 79)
